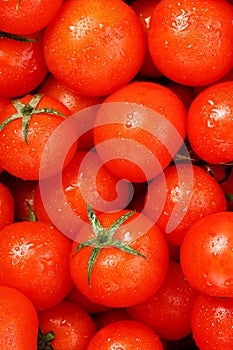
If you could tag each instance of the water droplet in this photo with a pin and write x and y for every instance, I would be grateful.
(229, 282)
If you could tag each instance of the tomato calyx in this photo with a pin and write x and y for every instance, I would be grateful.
(26, 111)
(44, 340)
(105, 238)
(17, 5)
(16, 37)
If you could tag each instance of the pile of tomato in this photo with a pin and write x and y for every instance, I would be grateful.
(116, 178)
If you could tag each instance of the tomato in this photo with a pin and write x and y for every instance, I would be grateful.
(26, 17)
(114, 271)
(144, 10)
(191, 41)
(138, 130)
(206, 254)
(26, 125)
(18, 320)
(210, 123)
(72, 326)
(211, 321)
(184, 92)
(198, 194)
(22, 65)
(7, 206)
(100, 42)
(34, 259)
(168, 311)
(126, 334)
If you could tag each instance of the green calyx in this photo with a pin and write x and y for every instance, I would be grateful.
(26, 111)
(104, 237)
(16, 37)
(44, 340)
(229, 197)
(17, 5)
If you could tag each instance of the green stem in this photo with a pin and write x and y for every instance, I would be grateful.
(44, 340)
(20, 38)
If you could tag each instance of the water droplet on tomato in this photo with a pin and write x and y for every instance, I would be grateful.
(229, 282)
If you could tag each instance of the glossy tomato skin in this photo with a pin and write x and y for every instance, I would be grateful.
(211, 322)
(199, 192)
(35, 260)
(7, 206)
(18, 320)
(206, 254)
(147, 120)
(22, 66)
(120, 279)
(168, 311)
(94, 47)
(191, 41)
(72, 325)
(126, 334)
(210, 123)
(28, 16)
(41, 127)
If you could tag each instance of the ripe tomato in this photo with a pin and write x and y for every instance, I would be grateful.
(184, 92)
(191, 41)
(128, 270)
(22, 65)
(144, 124)
(26, 125)
(18, 320)
(168, 311)
(26, 17)
(101, 42)
(34, 259)
(126, 334)
(72, 326)
(144, 10)
(7, 206)
(199, 194)
(211, 321)
(206, 254)
(210, 123)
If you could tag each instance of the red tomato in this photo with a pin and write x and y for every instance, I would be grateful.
(94, 47)
(198, 194)
(211, 322)
(7, 206)
(18, 320)
(126, 334)
(120, 278)
(34, 259)
(72, 326)
(143, 123)
(25, 17)
(210, 123)
(23, 128)
(22, 65)
(184, 92)
(206, 254)
(191, 41)
(168, 311)
(144, 10)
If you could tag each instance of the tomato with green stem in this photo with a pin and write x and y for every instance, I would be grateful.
(26, 125)
(123, 263)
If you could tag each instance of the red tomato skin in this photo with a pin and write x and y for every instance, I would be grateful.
(168, 311)
(126, 334)
(211, 322)
(7, 206)
(28, 17)
(120, 279)
(134, 123)
(190, 41)
(206, 254)
(72, 325)
(210, 123)
(22, 66)
(35, 260)
(18, 320)
(100, 42)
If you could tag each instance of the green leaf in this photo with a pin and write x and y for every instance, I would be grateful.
(94, 254)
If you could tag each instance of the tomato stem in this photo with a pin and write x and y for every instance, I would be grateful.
(26, 111)
(44, 340)
(104, 237)
(16, 37)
